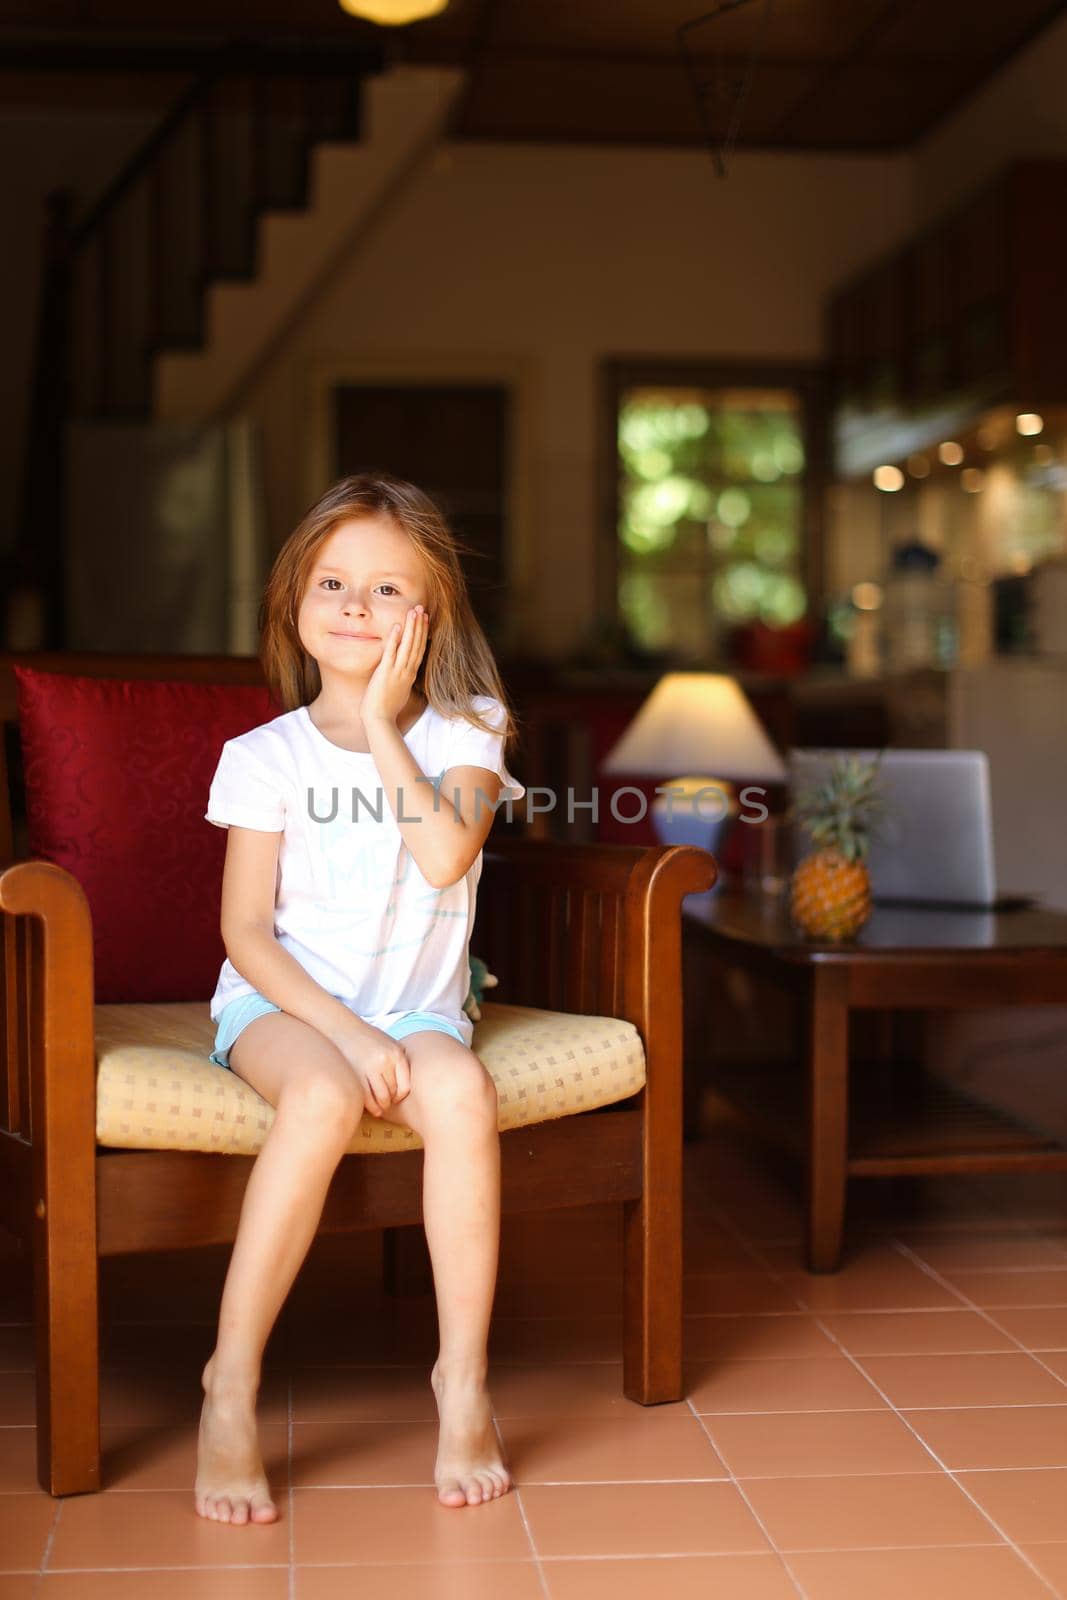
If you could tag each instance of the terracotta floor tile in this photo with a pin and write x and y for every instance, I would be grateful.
(526, 1339)
(158, 1396)
(18, 1462)
(225, 1583)
(18, 1406)
(1056, 1361)
(25, 1523)
(867, 1512)
(890, 1283)
(16, 1347)
(706, 1293)
(17, 1586)
(333, 1526)
(995, 1436)
(802, 1444)
(355, 1454)
(158, 1529)
(332, 1339)
(981, 1573)
(1028, 1505)
(644, 1519)
(138, 1457)
(896, 1333)
(592, 1388)
(1051, 1561)
(991, 1251)
(592, 1295)
(363, 1394)
(643, 1447)
(1011, 1288)
(754, 1338)
(758, 1577)
(1002, 1379)
(1037, 1327)
(830, 1384)
(483, 1580)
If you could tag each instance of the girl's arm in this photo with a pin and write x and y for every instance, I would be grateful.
(248, 889)
(443, 828)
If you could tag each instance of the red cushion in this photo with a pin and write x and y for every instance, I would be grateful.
(117, 777)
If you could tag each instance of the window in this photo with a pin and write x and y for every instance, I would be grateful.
(713, 514)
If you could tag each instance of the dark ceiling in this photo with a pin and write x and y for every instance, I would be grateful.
(822, 74)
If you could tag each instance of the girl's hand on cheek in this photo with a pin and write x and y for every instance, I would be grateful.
(389, 689)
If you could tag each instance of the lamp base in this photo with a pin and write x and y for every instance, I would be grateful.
(698, 811)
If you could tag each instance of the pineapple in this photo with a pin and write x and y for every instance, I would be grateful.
(830, 892)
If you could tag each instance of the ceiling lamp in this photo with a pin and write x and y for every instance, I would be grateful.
(393, 13)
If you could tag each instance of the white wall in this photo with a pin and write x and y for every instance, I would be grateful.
(532, 264)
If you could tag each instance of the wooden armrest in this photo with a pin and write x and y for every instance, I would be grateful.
(49, 1081)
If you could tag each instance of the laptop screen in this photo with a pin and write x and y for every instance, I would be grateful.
(935, 841)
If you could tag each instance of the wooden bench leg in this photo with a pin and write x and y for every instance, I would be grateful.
(827, 1117)
(68, 1351)
(652, 1264)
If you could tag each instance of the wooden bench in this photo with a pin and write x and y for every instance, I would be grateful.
(582, 929)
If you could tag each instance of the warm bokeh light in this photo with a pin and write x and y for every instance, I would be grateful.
(987, 437)
(919, 466)
(973, 480)
(950, 453)
(392, 13)
(1028, 423)
(867, 596)
(1044, 454)
(889, 479)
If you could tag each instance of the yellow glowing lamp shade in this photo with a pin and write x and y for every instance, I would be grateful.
(393, 13)
(697, 722)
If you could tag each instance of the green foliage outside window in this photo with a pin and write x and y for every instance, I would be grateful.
(710, 515)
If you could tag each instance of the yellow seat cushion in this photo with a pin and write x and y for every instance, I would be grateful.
(157, 1090)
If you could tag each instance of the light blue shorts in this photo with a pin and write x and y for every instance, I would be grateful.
(247, 1007)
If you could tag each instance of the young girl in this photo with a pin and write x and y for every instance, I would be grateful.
(356, 823)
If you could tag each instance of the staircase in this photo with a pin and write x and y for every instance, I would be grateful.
(404, 111)
(135, 277)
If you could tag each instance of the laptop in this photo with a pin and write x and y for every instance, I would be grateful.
(935, 842)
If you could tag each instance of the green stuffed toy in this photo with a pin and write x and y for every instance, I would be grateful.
(481, 980)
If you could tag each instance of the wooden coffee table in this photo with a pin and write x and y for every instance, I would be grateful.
(905, 959)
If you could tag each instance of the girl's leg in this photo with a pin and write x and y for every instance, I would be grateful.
(452, 1106)
(318, 1105)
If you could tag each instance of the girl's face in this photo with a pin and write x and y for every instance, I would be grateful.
(364, 577)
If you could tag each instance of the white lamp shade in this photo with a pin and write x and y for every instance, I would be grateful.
(698, 723)
(393, 13)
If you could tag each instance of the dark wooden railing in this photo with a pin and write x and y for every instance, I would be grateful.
(129, 279)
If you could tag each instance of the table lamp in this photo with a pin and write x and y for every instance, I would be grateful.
(692, 723)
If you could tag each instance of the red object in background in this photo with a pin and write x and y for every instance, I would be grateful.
(117, 778)
(611, 831)
(783, 652)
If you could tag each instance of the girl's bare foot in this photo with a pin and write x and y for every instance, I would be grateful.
(231, 1485)
(470, 1468)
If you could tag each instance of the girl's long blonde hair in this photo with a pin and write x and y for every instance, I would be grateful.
(458, 663)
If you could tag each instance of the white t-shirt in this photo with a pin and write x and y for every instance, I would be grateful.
(351, 904)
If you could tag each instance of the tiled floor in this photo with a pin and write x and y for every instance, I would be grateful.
(898, 1429)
